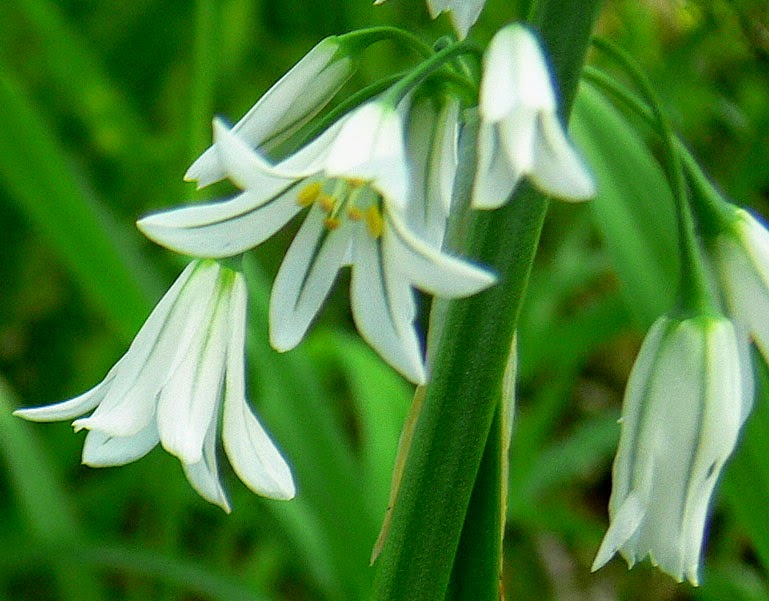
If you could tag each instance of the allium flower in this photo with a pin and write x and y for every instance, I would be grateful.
(183, 372)
(688, 395)
(354, 178)
(520, 133)
(289, 104)
(741, 255)
(463, 13)
(432, 135)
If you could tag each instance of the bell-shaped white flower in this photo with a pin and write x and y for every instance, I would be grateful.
(288, 105)
(365, 147)
(183, 374)
(689, 393)
(520, 133)
(741, 256)
(463, 13)
(354, 178)
(432, 134)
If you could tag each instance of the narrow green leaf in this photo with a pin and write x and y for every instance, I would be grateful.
(79, 79)
(34, 169)
(634, 207)
(41, 497)
(381, 399)
(182, 573)
(289, 395)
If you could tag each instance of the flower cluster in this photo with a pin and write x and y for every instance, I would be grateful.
(375, 183)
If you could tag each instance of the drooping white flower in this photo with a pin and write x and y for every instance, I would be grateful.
(741, 255)
(183, 374)
(688, 395)
(354, 178)
(288, 105)
(432, 134)
(463, 13)
(520, 133)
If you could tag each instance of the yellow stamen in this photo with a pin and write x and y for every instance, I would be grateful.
(355, 213)
(331, 223)
(374, 221)
(356, 182)
(309, 194)
(327, 203)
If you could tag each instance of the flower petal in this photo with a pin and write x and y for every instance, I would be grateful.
(285, 107)
(305, 278)
(432, 152)
(204, 475)
(515, 75)
(428, 268)
(558, 169)
(188, 402)
(130, 402)
(225, 228)
(253, 456)
(495, 177)
(383, 308)
(464, 13)
(73, 407)
(370, 146)
(103, 450)
(624, 525)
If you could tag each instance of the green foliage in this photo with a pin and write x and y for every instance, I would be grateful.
(104, 105)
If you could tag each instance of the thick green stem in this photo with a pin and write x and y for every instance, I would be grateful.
(466, 384)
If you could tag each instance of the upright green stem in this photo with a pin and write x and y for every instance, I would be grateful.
(470, 360)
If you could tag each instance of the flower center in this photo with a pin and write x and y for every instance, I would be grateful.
(345, 198)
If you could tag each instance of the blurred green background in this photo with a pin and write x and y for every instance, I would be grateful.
(102, 107)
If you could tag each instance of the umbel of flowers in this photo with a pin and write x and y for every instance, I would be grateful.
(373, 181)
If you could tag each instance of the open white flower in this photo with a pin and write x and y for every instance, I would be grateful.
(520, 133)
(288, 105)
(688, 395)
(355, 179)
(741, 255)
(432, 134)
(463, 13)
(183, 373)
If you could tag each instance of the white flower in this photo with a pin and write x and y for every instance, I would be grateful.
(183, 373)
(288, 105)
(463, 13)
(741, 255)
(520, 133)
(432, 134)
(688, 395)
(354, 178)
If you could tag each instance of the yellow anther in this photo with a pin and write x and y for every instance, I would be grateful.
(356, 182)
(355, 213)
(374, 221)
(309, 194)
(327, 203)
(331, 223)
